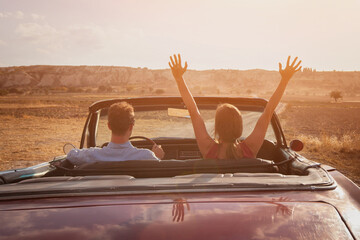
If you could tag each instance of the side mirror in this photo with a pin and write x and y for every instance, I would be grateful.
(296, 145)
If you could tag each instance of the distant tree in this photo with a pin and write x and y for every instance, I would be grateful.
(308, 70)
(336, 95)
(129, 88)
(103, 88)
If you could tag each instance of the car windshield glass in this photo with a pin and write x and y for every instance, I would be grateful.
(165, 124)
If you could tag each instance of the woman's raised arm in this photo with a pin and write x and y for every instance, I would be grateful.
(203, 138)
(256, 138)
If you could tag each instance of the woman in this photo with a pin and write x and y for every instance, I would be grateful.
(228, 120)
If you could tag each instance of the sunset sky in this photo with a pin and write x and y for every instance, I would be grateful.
(225, 34)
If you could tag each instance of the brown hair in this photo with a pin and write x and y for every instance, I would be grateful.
(228, 127)
(120, 117)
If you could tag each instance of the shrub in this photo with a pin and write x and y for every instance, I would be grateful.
(336, 95)
(103, 88)
(129, 88)
(347, 143)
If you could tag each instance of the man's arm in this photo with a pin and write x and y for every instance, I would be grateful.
(158, 151)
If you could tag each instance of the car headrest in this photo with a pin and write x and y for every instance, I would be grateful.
(170, 168)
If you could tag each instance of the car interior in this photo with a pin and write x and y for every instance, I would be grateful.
(169, 125)
(171, 128)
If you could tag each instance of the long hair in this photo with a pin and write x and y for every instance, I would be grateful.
(228, 127)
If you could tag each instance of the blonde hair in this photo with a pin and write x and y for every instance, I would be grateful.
(228, 127)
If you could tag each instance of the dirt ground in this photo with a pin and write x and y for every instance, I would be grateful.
(34, 129)
(318, 118)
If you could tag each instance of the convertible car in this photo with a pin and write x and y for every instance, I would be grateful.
(278, 195)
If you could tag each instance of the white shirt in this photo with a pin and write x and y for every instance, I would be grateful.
(112, 152)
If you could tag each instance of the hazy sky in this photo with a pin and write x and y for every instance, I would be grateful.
(224, 34)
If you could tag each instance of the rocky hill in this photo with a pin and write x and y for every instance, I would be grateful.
(226, 81)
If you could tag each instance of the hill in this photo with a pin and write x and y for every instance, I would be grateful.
(208, 81)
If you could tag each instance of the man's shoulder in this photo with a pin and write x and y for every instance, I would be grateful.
(76, 153)
(77, 150)
(145, 153)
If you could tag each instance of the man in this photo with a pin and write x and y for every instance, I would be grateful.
(120, 122)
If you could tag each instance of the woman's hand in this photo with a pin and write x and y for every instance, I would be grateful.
(176, 68)
(289, 71)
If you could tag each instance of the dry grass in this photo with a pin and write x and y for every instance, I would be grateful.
(342, 153)
(348, 143)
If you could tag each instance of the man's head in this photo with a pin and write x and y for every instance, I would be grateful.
(121, 118)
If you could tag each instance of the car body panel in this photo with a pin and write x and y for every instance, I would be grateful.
(176, 216)
(326, 214)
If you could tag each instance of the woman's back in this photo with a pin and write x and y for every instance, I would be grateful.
(228, 151)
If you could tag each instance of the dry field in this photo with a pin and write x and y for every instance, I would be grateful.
(34, 128)
(329, 131)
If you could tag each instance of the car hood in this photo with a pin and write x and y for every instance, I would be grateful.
(173, 219)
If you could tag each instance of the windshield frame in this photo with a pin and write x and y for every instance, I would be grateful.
(88, 138)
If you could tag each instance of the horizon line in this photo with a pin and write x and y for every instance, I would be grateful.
(156, 69)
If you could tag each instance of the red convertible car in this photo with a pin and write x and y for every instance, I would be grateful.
(278, 195)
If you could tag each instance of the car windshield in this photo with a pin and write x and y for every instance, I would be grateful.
(175, 123)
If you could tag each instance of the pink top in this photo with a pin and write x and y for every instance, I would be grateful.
(214, 150)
